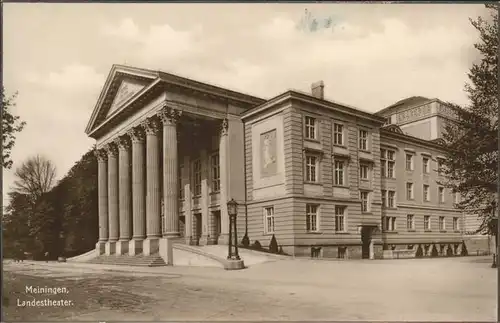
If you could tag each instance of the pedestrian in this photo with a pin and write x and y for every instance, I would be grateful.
(46, 256)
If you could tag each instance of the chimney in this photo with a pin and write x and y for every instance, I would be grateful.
(317, 90)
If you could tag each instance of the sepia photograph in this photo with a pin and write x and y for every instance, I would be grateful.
(250, 162)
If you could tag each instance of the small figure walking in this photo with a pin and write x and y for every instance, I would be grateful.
(46, 256)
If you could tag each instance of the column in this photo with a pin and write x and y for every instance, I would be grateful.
(138, 193)
(204, 200)
(224, 183)
(102, 188)
(153, 232)
(169, 118)
(124, 189)
(188, 200)
(113, 197)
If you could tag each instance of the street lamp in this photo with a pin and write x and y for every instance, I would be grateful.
(232, 210)
(233, 258)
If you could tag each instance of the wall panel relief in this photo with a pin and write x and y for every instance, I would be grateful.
(268, 154)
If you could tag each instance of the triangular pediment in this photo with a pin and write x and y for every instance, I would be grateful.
(127, 89)
(123, 83)
(393, 128)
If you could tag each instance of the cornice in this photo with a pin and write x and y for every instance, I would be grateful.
(407, 138)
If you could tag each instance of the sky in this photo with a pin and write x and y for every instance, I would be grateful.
(57, 56)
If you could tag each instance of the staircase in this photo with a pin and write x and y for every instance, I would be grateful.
(124, 260)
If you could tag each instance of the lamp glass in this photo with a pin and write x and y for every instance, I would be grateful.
(232, 207)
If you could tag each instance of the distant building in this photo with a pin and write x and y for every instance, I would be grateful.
(328, 180)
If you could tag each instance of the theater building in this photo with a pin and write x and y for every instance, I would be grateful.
(326, 179)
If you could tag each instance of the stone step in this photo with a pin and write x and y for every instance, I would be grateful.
(125, 260)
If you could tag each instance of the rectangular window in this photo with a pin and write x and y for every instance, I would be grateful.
(342, 252)
(387, 162)
(425, 165)
(391, 199)
(409, 191)
(442, 224)
(340, 218)
(181, 187)
(410, 222)
(384, 198)
(365, 203)
(427, 222)
(310, 128)
(455, 224)
(311, 168)
(269, 220)
(426, 193)
(363, 140)
(215, 166)
(441, 194)
(197, 177)
(389, 223)
(339, 176)
(338, 134)
(456, 198)
(439, 165)
(409, 161)
(311, 217)
(363, 171)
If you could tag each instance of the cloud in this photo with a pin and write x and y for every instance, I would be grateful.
(157, 43)
(72, 78)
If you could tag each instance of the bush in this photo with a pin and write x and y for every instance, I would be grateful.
(281, 252)
(464, 251)
(273, 245)
(256, 245)
(245, 241)
(434, 252)
(420, 252)
(449, 251)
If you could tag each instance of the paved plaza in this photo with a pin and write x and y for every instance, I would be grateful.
(451, 289)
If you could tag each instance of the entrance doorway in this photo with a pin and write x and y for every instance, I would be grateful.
(366, 242)
(198, 230)
(217, 225)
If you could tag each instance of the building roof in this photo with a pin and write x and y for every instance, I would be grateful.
(406, 103)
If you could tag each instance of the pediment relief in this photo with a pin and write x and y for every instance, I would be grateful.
(126, 90)
(393, 128)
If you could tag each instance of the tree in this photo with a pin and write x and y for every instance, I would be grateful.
(35, 177)
(471, 141)
(11, 124)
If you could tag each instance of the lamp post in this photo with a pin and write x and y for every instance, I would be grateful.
(233, 258)
(493, 228)
(232, 210)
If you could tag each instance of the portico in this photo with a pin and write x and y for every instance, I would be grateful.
(164, 168)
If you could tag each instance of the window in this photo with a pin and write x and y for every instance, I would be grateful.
(340, 218)
(340, 170)
(315, 252)
(425, 165)
(269, 219)
(363, 171)
(427, 222)
(455, 224)
(341, 252)
(181, 187)
(389, 223)
(409, 161)
(441, 194)
(310, 129)
(426, 193)
(215, 165)
(311, 168)
(410, 222)
(439, 165)
(197, 177)
(311, 218)
(387, 159)
(338, 134)
(442, 224)
(363, 140)
(391, 199)
(456, 198)
(365, 203)
(409, 191)
(384, 198)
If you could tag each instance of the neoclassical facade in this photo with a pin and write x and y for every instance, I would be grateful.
(326, 179)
